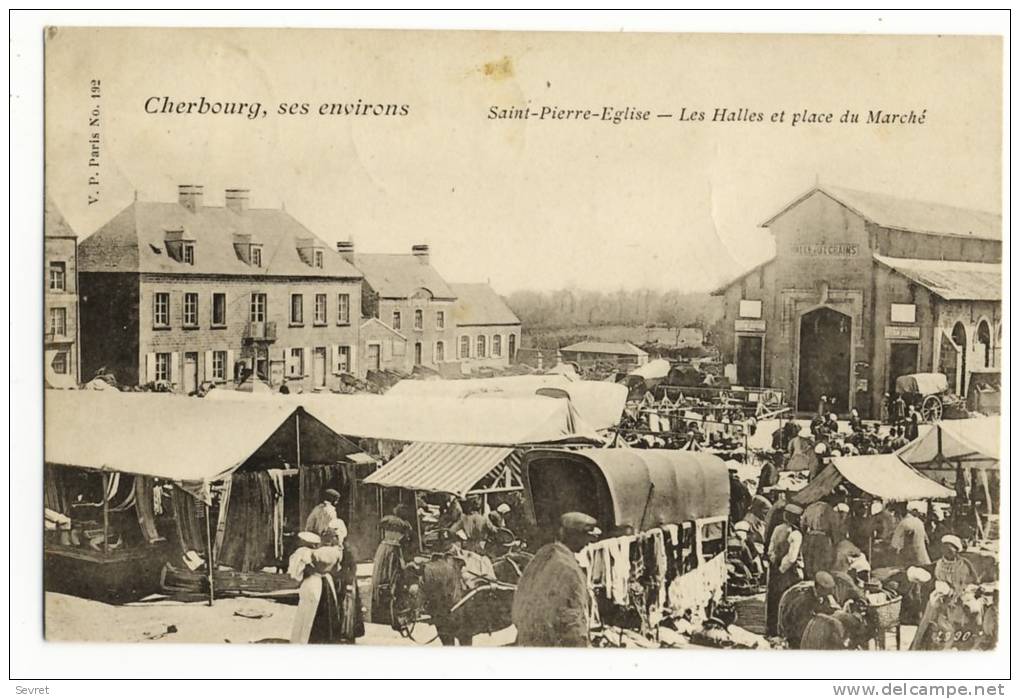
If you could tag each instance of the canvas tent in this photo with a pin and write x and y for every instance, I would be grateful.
(456, 469)
(972, 443)
(599, 403)
(884, 476)
(509, 422)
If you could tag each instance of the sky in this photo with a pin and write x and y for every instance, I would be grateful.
(524, 204)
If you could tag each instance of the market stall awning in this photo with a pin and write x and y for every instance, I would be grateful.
(881, 475)
(154, 434)
(655, 369)
(508, 422)
(973, 443)
(599, 403)
(439, 468)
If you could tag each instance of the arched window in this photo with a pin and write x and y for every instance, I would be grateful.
(465, 347)
(960, 339)
(984, 338)
(440, 351)
(480, 347)
(511, 347)
(497, 346)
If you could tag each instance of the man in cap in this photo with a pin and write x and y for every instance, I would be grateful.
(784, 556)
(909, 539)
(802, 602)
(550, 606)
(324, 513)
(498, 516)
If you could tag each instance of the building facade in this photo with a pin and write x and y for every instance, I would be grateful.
(180, 294)
(488, 332)
(622, 355)
(60, 301)
(865, 288)
(406, 294)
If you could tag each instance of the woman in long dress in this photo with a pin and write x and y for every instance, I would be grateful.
(318, 614)
(388, 562)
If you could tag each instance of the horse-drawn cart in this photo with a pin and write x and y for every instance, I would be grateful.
(930, 395)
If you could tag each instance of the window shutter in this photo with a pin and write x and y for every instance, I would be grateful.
(175, 358)
(150, 367)
(288, 362)
(336, 358)
(350, 359)
(229, 369)
(208, 376)
(306, 370)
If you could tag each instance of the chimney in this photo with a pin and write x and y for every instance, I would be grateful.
(421, 252)
(346, 250)
(237, 200)
(189, 196)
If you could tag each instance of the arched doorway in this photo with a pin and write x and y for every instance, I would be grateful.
(960, 339)
(984, 339)
(824, 359)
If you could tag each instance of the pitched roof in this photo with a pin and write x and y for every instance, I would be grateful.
(949, 279)
(720, 290)
(909, 214)
(54, 224)
(398, 276)
(605, 348)
(135, 241)
(479, 304)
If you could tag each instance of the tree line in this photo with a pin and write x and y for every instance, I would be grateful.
(573, 307)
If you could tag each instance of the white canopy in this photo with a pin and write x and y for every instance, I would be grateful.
(655, 369)
(153, 434)
(514, 421)
(599, 403)
(974, 443)
(881, 475)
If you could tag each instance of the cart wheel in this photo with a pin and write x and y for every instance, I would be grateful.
(931, 409)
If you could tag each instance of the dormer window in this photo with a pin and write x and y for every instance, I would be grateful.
(256, 255)
(318, 258)
(188, 253)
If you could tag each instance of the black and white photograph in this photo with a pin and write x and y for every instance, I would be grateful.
(662, 341)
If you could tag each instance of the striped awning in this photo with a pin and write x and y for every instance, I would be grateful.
(439, 468)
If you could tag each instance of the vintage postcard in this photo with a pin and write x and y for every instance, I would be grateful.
(422, 338)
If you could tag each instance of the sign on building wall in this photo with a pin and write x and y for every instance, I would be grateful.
(826, 250)
(893, 332)
(749, 326)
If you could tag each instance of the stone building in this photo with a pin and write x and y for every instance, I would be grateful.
(60, 301)
(488, 332)
(182, 293)
(864, 288)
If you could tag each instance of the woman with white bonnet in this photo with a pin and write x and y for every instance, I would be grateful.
(953, 574)
(317, 619)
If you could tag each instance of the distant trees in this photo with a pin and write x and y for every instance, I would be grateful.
(574, 307)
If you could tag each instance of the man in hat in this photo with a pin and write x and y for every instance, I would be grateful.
(550, 606)
(755, 518)
(324, 513)
(784, 557)
(740, 497)
(909, 539)
(819, 525)
(802, 602)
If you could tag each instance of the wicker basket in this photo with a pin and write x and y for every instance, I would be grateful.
(888, 613)
(750, 612)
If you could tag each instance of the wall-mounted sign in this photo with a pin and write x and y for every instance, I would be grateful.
(826, 250)
(896, 332)
(749, 309)
(903, 313)
(749, 326)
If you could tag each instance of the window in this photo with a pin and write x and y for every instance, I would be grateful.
(297, 309)
(256, 255)
(750, 309)
(497, 345)
(162, 366)
(903, 313)
(58, 276)
(188, 253)
(318, 258)
(417, 354)
(440, 353)
(191, 310)
(219, 310)
(396, 320)
(320, 309)
(59, 363)
(440, 320)
(511, 347)
(480, 347)
(161, 310)
(297, 361)
(258, 308)
(343, 359)
(58, 321)
(343, 309)
(419, 319)
(464, 351)
(219, 365)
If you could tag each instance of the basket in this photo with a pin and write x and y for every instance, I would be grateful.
(751, 612)
(887, 614)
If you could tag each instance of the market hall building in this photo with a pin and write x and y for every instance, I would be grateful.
(864, 288)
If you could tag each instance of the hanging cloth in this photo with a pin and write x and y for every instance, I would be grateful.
(189, 527)
(143, 488)
(248, 541)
